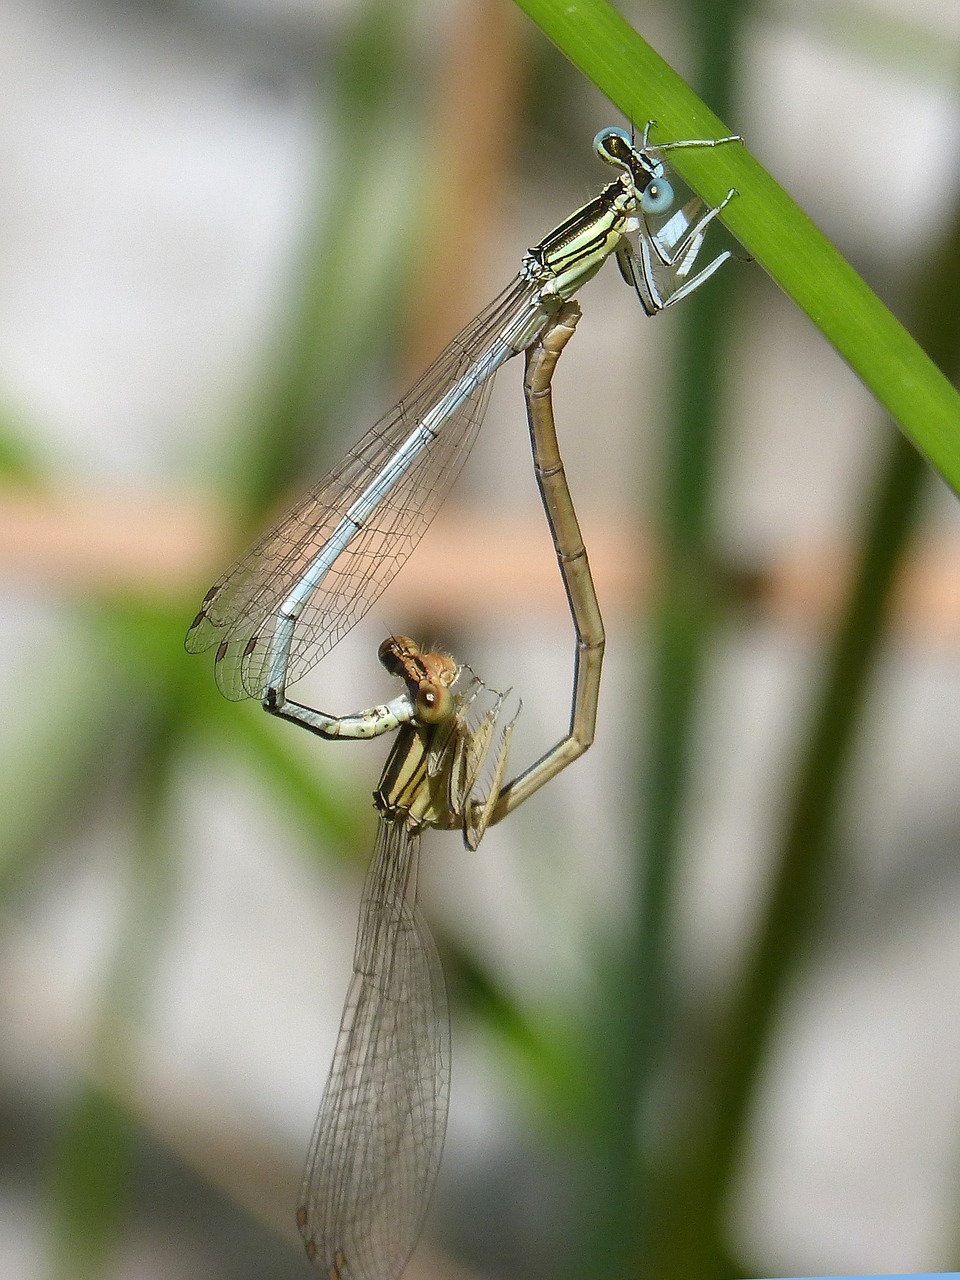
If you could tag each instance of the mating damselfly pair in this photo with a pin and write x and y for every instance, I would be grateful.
(376, 1146)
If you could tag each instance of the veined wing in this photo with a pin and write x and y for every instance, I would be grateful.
(241, 611)
(376, 1146)
(480, 743)
(665, 262)
(485, 759)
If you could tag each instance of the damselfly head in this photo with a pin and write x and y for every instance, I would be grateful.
(617, 147)
(427, 675)
(614, 146)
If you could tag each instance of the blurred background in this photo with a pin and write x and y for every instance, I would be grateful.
(704, 986)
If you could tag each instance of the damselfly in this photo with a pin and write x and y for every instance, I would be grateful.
(378, 1137)
(376, 1145)
(299, 589)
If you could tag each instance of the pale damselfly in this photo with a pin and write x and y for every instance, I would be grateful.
(305, 583)
(376, 1145)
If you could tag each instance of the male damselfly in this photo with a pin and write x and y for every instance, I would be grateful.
(305, 583)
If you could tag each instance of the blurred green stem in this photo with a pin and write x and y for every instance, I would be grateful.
(329, 320)
(689, 1242)
(684, 621)
(91, 1175)
(619, 1215)
(93, 1164)
(90, 1185)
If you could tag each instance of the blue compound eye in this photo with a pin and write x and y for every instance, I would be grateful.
(657, 196)
(610, 132)
(613, 145)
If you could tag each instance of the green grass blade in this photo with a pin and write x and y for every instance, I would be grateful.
(771, 227)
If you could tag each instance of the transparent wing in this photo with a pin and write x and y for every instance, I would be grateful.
(483, 726)
(487, 764)
(240, 612)
(674, 228)
(377, 1142)
(666, 260)
(489, 782)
